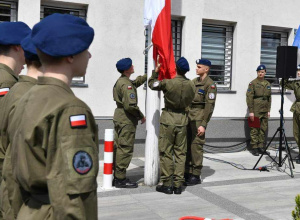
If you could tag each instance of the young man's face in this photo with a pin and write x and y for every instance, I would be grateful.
(201, 69)
(261, 74)
(130, 70)
(81, 61)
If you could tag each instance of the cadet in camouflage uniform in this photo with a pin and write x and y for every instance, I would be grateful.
(178, 95)
(51, 130)
(126, 117)
(12, 33)
(259, 105)
(295, 85)
(200, 112)
(11, 196)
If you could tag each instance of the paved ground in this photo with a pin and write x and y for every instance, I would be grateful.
(226, 192)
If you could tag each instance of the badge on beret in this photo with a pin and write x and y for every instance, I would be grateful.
(132, 96)
(82, 162)
(268, 87)
(4, 91)
(129, 87)
(250, 84)
(156, 84)
(77, 121)
(201, 91)
(211, 95)
(213, 86)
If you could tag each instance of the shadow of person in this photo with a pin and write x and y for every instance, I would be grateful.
(206, 172)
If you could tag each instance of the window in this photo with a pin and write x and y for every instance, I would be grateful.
(8, 11)
(217, 44)
(270, 40)
(79, 11)
(177, 40)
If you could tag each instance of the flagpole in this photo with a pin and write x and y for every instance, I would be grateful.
(151, 173)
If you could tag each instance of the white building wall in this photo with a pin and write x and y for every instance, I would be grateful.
(119, 33)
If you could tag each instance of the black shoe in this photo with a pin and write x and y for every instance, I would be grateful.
(114, 182)
(186, 176)
(164, 189)
(193, 180)
(125, 183)
(261, 150)
(178, 190)
(297, 159)
(255, 152)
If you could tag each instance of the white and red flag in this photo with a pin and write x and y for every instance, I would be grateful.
(4, 91)
(78, 121)
(157, 13)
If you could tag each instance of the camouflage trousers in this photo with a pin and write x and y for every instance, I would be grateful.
(194, 157)
(258, 135)
(124, 136)
(172, 143)
(296, 127)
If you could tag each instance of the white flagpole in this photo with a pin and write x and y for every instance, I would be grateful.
(151, 173)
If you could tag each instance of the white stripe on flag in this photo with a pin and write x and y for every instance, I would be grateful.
(78, 118)
(4, 90)
(152, 9)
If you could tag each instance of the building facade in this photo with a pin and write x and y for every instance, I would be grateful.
(236, 35)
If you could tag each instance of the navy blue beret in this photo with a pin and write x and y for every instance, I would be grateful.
(124, 64)
(12, 33)
(61, 35)
(183, 64)
(261, 67)
(298, 67)
(29, 48)
(203, 62)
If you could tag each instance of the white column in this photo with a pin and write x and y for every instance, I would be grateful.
(151, 173)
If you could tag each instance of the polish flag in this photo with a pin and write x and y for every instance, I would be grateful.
(77, 121)
(4, 91)
(157, 13)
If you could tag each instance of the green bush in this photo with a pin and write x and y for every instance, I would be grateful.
(296, 212)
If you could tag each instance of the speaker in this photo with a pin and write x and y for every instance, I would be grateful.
(286, 62)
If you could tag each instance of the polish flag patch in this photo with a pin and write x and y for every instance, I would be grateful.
(4, 91)
(129, 87)
(78, 121)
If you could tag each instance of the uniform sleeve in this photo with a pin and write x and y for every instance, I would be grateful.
(210, 99)
(72, 165)
(250, 98)
(155, 84)
(287, 84)
(140, 80)
(129, 101)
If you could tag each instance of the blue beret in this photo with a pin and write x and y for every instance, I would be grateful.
(261, 67)
(124, 64)
(12, 33)
(29, 48)
(183, 64)
(203, 62)
(298, 67)
(61, 35)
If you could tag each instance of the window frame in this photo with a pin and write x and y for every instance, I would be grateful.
(13, 10)
(228, 54)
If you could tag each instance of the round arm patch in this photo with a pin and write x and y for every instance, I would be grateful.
(82, 162)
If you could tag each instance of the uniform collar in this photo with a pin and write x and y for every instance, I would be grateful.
(9, 70)
(203, 81)
(43, 80)
(23, 78)
(180, 76)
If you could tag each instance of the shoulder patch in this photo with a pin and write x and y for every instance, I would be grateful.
(78, 121)
(129, 87)
(211, 95)
(132, 95)
(213, 86)
(3, 91)
(82, 162)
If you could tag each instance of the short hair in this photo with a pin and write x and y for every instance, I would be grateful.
(46, 59)
(35, 63)
(120, 71)
(180, 71)
(4, 49)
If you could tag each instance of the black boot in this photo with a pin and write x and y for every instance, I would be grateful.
(298, 159)
(178, 190)
(193, 180)
(125, 183)
(255, 152)
(186, 176)
(164, 189)
(261, 150)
